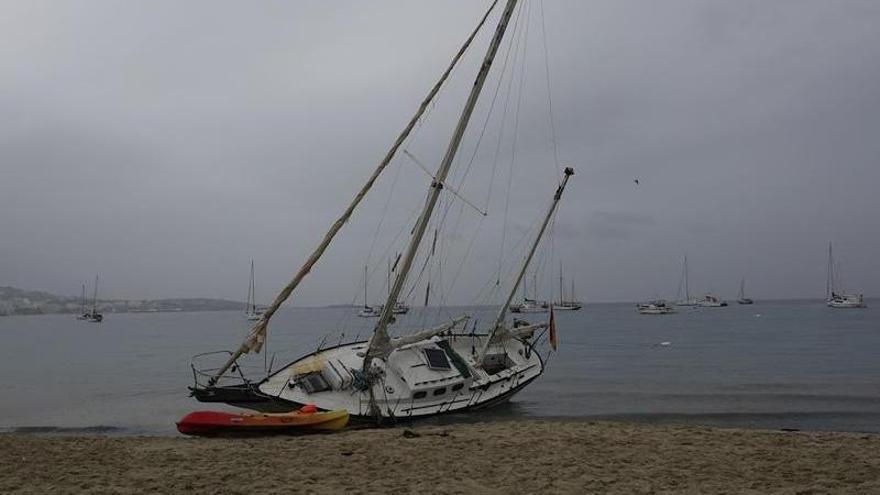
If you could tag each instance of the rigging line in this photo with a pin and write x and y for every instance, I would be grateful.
(257, 336)
(549, 92)
(384, 214)
(446, 186)
(492, 105)
(510, 49)
(493, 287)
(513, 153)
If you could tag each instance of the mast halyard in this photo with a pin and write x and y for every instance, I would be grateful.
(498, 326)
(829, 281)
(380, 343)
(256, 338)
(687, 291)
(95, 298)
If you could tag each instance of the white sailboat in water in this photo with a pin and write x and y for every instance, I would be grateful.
(92, 314)
(251, 311)
(427, 372)
(570, 304)
(685, 283)
(834, 296)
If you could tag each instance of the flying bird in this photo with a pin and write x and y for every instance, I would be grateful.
(636, 181)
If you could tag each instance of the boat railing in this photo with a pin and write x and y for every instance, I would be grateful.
(204, 370)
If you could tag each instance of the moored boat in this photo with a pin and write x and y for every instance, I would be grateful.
(742, 299)
(656, 307)
(411, 372)
(835, 298)
(710, 301)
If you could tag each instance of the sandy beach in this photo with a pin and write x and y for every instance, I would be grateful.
(500, 457)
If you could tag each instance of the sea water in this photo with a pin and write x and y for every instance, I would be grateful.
(782, 364)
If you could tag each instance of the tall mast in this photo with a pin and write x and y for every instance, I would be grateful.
(255, 339)
(380, 342)
(253, 291)
(82, 300)
(95, 297)
(365, 287)
(687, 291)
(561, 287)
(829, 281)
(502, 313)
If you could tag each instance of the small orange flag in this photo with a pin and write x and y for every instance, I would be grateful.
(552, 326)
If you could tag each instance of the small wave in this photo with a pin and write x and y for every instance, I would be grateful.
(65, 430)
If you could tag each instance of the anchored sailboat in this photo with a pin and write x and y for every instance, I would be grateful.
(742, 299)
(432, 371)
(687, 301)
(570, 304)
(530, 304)
(251, 312)
(836, 298)
(91, 314)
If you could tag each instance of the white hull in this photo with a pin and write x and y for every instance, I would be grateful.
(847, 301)
(655, 308)
(567, 306)
(369, 313)
(653, 311)
(711, 301)
(408, 387)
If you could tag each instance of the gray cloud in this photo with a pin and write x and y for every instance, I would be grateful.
(165, 144)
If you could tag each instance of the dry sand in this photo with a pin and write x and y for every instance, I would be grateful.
(499, 457)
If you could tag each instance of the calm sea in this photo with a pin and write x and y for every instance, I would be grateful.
(791, 364)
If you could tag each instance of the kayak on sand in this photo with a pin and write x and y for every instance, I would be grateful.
(304, 420)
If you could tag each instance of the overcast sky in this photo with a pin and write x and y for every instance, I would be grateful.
(164, 144)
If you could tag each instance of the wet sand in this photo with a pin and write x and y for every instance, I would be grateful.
(500, 457)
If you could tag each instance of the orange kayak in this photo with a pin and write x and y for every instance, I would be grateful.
(305, 420)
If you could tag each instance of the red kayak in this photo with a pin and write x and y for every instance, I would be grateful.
(305, 420)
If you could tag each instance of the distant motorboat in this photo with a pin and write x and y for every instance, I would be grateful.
(742, 299)
(839, 299)
(656, 307)
(710, 301)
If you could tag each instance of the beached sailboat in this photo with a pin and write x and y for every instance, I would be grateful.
(742, 299)
(570, 304)
(684, 282)
(251, 311)
(432, 371)
(836, 298)
(92, 314)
